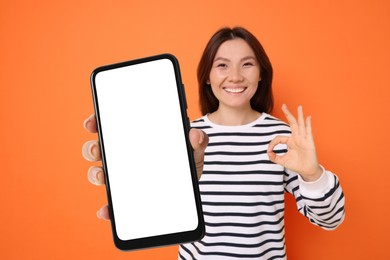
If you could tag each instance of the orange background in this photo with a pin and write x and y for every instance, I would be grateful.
(331, 56)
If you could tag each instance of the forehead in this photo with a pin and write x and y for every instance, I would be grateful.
(234, 49)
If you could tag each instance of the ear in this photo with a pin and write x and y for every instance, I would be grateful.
(208, 82)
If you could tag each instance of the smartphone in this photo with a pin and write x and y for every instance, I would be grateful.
(148, 162)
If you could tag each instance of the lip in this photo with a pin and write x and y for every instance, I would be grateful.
(234, 90)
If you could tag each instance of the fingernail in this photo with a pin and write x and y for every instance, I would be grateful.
(96, 175)
(86, 122)
(99, 176)
(92, 175)
(93, 150)
(201, 137)
(98, 214)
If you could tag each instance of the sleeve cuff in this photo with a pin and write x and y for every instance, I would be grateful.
(318, 188)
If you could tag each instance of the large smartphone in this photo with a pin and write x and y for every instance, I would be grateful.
(143, 130)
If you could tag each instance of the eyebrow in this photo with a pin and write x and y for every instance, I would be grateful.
(243, 59)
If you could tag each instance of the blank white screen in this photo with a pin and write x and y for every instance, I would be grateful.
(146, 154)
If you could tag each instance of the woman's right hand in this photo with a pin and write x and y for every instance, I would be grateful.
(91, 152)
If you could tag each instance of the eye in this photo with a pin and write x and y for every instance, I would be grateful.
(248, 64)
(221, 65)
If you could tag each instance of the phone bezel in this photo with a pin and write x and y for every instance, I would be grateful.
(165, 239)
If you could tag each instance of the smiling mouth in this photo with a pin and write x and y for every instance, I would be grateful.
(235, 90)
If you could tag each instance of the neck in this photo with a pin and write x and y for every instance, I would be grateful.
(233, 116)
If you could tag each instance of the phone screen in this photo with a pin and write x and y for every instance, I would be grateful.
(148, 163)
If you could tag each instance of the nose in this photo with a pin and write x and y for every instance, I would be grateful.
(235, 74)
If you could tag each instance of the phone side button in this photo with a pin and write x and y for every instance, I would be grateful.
(185, 96)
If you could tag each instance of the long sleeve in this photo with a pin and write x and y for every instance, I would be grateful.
(322, 201)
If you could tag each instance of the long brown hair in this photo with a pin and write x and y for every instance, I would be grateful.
(262, 101)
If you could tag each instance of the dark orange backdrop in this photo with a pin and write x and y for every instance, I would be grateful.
(331, 56)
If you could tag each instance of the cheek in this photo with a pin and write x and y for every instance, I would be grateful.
(256, 77)
(217, 76)
(252, 91)
(215, 90)
(254, 86)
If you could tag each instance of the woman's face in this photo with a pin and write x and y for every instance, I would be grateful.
(235, 74)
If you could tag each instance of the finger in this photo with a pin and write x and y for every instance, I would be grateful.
(91, 151)
(277, 140)
(301, 121)
(90, 124)
(96, 175)
(290, 118)
(103, 213)
(199, 141)
(270, 151)
(309, 131)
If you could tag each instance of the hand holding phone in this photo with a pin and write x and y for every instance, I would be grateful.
(153, 196)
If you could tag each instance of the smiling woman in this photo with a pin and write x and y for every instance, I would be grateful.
(252, 158)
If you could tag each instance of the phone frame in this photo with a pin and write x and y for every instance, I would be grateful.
(165, 239)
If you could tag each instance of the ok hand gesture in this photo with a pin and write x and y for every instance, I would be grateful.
(301, 156)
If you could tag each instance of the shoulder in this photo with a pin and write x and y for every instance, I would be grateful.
(200, 123)
(272, 122)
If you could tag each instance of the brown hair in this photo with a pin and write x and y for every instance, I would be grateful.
(262, 101)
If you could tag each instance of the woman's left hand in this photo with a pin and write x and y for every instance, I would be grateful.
(301, 156)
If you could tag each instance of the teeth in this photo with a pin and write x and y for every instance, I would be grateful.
(234, 90)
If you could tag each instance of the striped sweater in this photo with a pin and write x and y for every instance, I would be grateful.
(243, 194)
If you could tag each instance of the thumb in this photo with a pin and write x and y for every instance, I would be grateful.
(271, 154)
(199, 141)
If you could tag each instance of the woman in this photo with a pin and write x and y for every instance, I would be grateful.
(251, 157)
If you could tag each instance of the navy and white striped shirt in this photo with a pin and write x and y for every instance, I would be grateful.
(243, 192)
